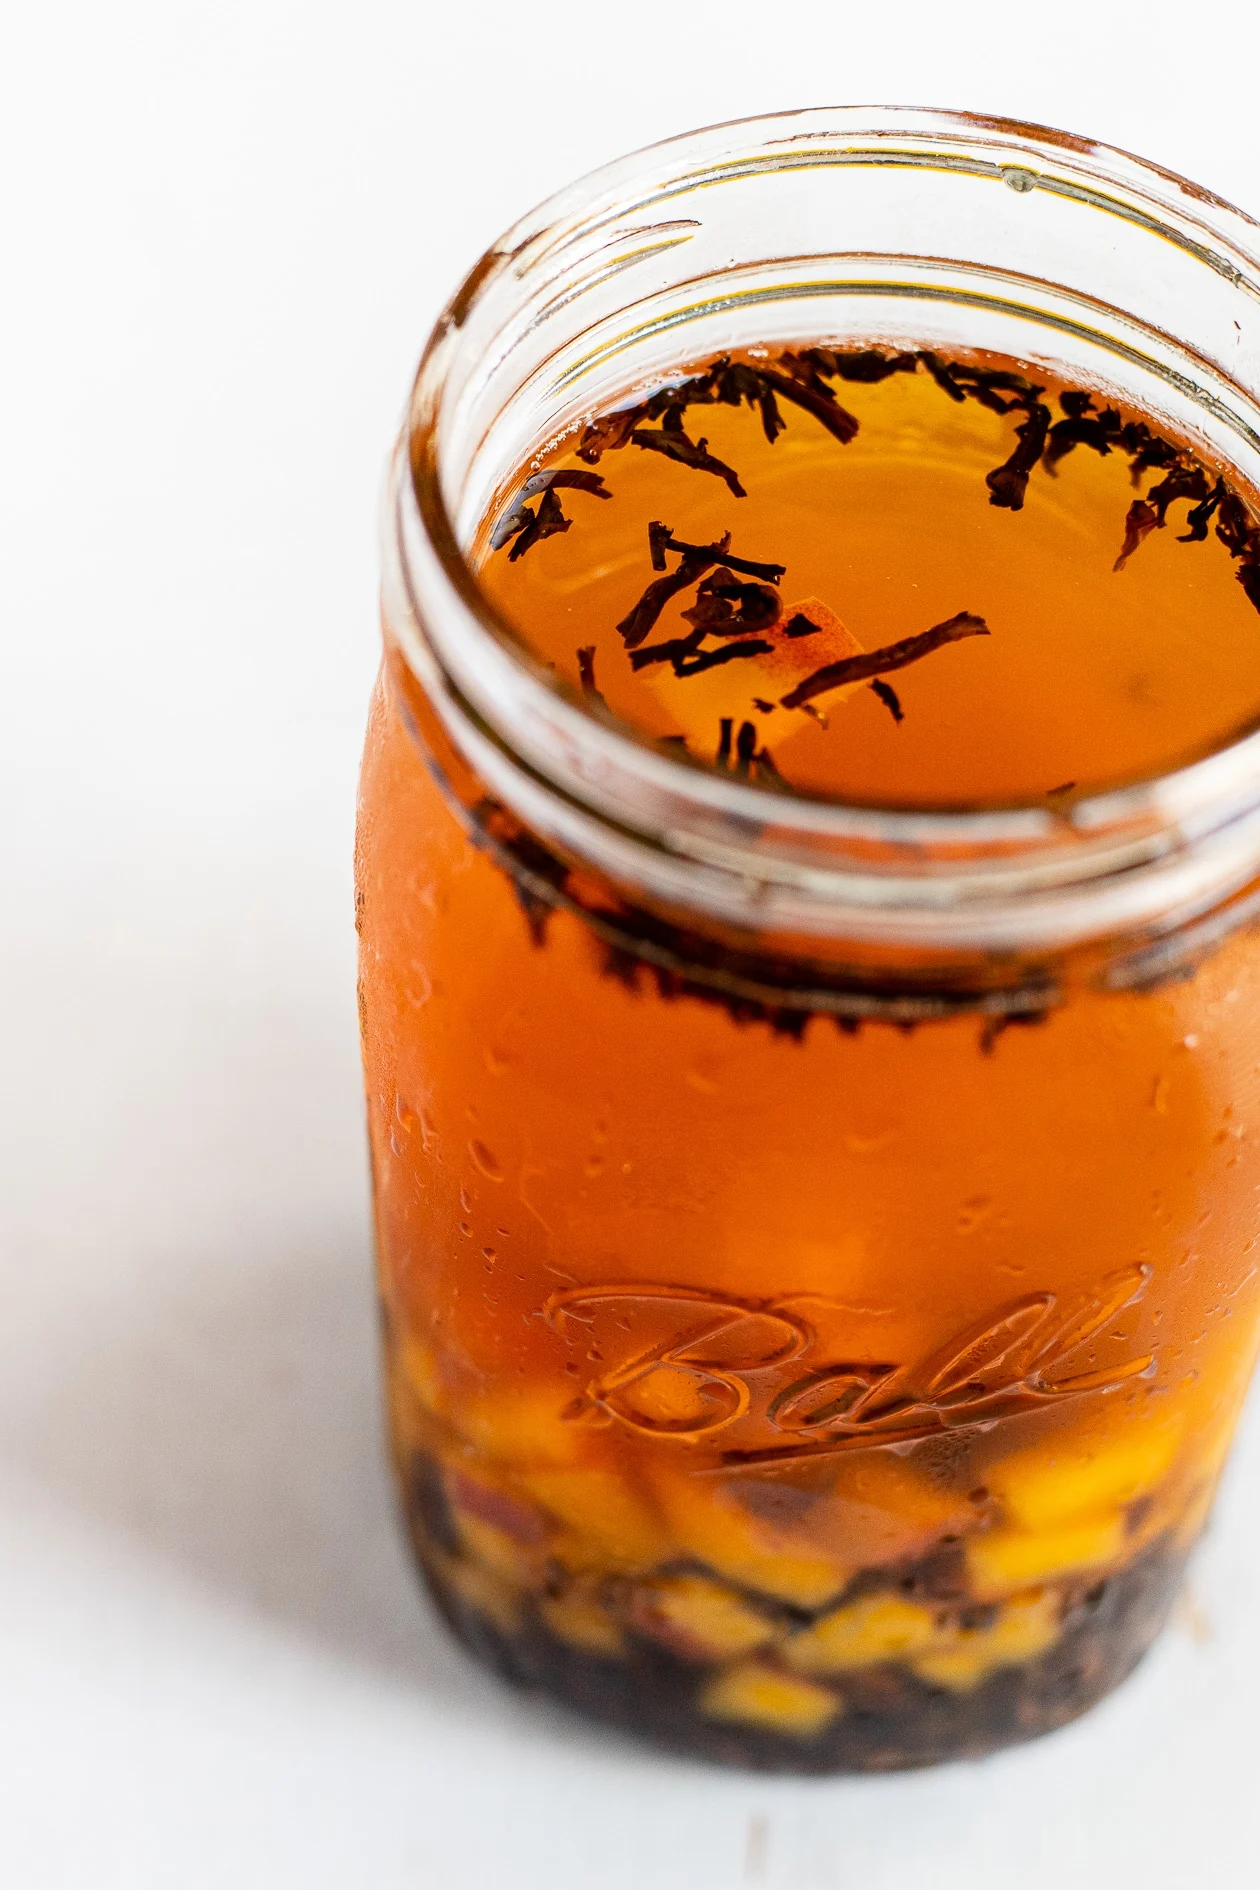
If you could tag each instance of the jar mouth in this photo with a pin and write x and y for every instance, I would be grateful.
(602, 278)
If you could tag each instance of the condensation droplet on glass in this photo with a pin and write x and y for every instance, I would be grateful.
(973, 1212)
(418, 985)
(869, 1143)
(1159, 1095)
(595, 1166)
(424, 891)
(486, 1160)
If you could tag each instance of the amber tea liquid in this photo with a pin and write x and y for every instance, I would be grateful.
(794, 1385)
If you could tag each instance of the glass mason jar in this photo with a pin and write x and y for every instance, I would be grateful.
(816, 1240)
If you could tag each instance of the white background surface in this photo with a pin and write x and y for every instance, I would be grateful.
(227, 229)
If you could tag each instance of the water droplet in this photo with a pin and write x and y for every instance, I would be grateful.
(595, 1166)
(486, 1160)
(417, 985)
(869, 1143)
(973, 1212)
(1160, 1094)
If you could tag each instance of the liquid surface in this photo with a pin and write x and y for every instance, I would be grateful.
(1088, 675)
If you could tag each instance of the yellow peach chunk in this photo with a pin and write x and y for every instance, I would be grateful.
(484, 1591)
(795, 658)
(696, 708)
(579, 1618)
(603, 1511)
(879, 1627)
(881, 1510)
(699, 1617)
(413, 1396)
(668, 1398)
(963, 1657)
(416, 1364)
(1060, 1481)
(496, 1503)
(495, 1549)
(708, 1522)
(525, 1426)
(754, 1694)
(1005, 1560)
(1027, 1625)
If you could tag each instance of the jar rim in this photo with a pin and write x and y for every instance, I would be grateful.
(783, 845)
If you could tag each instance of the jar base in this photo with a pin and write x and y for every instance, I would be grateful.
(891, 1720)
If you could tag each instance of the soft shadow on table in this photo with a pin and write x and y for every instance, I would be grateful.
(232, 1428)
(202, 1376)
(235, 1436)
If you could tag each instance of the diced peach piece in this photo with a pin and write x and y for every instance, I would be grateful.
(709, 1523)
(881, 1510)
(795, 658)
(963, 1657)
(601, 1509)
(410, 1427)
(526, 1426)
(1063, 1480)
(752, 1693)
(579, 1618)
(490, 1503)
(699, 1618)
(485, 1592)
(695, 709)
(879, 1627)
(669, 1397)
(417, 1366)
(412, 1392)
(1005, 1560)
(1027, 1625)
(495, 1549)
